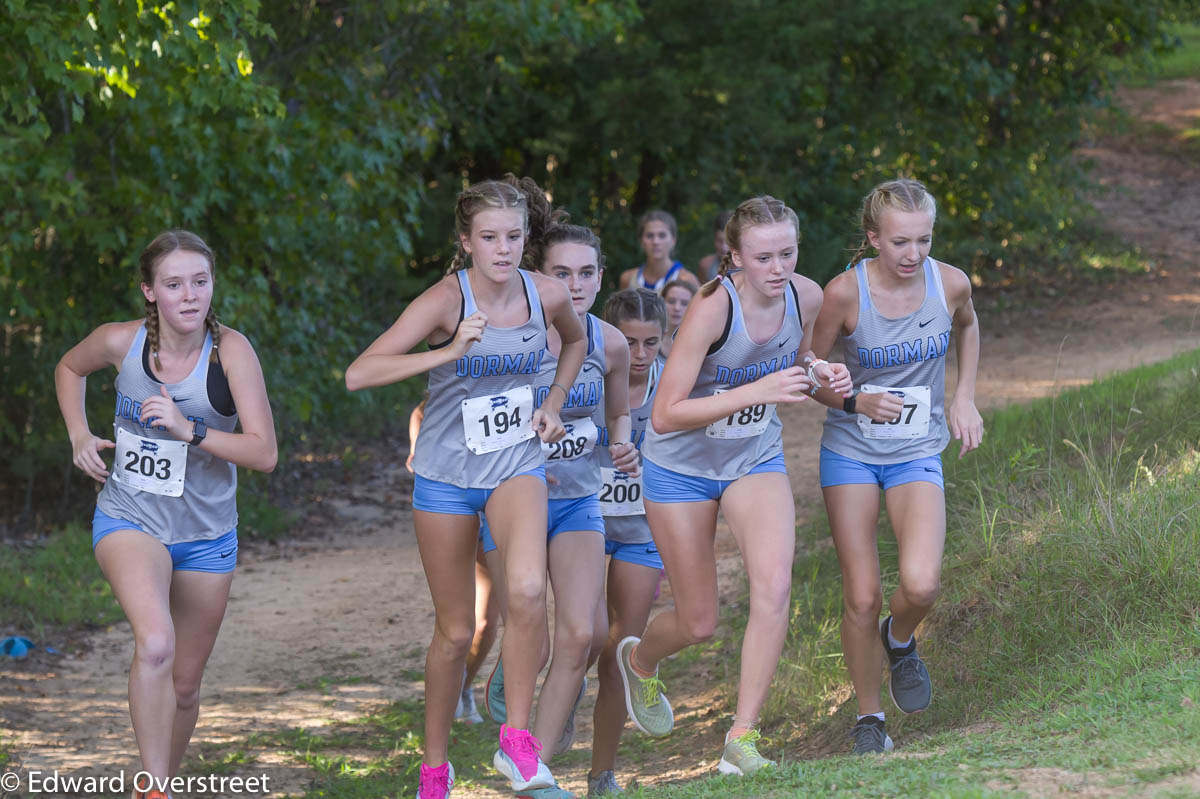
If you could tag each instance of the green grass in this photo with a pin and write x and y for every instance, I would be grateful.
(54, 583)
(1070, 619)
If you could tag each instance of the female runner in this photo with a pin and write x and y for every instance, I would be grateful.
(635, 566)
(657, 233)
(575, 531)
(165, 527)
(717, 441)
(894, 316)
(486, 323)
(678, 296)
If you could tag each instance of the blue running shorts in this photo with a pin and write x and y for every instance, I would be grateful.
(664, 485)
(437, 497)
(837, 470)
(213, 555)
(563, 515)
(645, 554)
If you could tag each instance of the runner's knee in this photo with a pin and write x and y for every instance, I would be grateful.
(155, 648)
(863, 607)
(922, 592)
(699, 625)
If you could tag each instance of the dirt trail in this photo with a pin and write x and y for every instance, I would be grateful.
(330, 628)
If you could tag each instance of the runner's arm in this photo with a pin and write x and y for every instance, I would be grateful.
(389, 360)
(255, 446)
(616, 400)
(104, 346)
(965, 423)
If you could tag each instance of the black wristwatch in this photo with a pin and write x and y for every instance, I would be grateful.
(199, 431)
(849, 402)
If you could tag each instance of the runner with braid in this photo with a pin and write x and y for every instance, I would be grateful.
(165, 527)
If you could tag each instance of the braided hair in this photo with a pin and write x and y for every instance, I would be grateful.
(163, 245)
(763, 210)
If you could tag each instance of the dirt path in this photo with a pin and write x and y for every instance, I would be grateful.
(330, 628)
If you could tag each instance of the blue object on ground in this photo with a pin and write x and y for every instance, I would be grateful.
(16, 647)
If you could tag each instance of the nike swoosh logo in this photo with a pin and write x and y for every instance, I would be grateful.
(922, 324)
(589, 367)
(785, 341)
(643, 418)
(227, 554)
(526, 338)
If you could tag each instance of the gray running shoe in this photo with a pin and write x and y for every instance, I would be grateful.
(604, 785)
(870, 737)
(568, 734)
(493, 698)
(741, 755)
(909, 684)
(644, 699)
(470, 712)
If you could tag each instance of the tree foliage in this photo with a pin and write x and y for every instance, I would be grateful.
(318, 147)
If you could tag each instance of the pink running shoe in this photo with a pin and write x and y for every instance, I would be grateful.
(435, 783)
(517, 758)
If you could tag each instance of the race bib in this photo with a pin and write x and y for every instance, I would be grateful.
(913, 421)
(621, 494)
(155, 465)
(579, 440)
(746, 423)
(496, 422)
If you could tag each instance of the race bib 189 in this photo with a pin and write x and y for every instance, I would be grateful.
(913, 421)
(579, 440)
(746, 423)
(495, 422)
(155, 465)
(621, 494)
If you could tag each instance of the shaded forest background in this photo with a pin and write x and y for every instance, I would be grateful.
(318, 147)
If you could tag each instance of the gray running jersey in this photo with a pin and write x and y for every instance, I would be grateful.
(910, 351)
(737, 361)
(504, 358)
(630, 529)
(578, 476)
(207, 508)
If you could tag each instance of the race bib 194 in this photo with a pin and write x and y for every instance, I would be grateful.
(578, 441)
(913, 421)
(492, 423)
(621, 494)
(746, 423)
(155, 465)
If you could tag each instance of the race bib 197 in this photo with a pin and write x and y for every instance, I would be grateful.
(155, 465)
(495, 422)
(746, 423)
(913, 421)
(578, 441)
(621, 494)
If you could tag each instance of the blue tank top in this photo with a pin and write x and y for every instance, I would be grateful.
(658, 285)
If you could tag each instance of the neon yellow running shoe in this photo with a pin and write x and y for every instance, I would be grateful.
(644, 698)
(741, 755)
